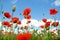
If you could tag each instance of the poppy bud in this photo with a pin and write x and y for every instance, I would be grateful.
(14, 8)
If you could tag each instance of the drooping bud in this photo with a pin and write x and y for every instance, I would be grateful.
(14, 8)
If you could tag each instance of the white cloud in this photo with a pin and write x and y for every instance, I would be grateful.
(14, 1)
(34, 22)
(24, 22)
(57, 2)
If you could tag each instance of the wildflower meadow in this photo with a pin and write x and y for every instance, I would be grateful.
(13, 28)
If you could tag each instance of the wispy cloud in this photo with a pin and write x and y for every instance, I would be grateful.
(14, 1)
(57, 2)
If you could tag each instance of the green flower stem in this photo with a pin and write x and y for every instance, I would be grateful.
(12, 15)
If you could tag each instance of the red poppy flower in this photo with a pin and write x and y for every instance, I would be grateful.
(7, 14)
(44, 20)
(5, 23)
(15, 19)
(28, 21)
(42, 26)
(47, 24)
(53, 11)
(25, 27)
(55, 24)
(26, 11)
(27, 17)
(18, 22)
(25, 36)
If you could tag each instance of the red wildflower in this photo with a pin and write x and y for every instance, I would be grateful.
(26, 11)
(28, 21)
(25, 36)
(55, 24)
(18, 22)
(7, 14)
(27, 17)
(15, 19)
(5, 23)
(42, 26)
(53, 11)
(44, 20)
(47, 24)
(25, 27)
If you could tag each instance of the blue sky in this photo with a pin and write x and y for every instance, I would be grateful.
(38, 7)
